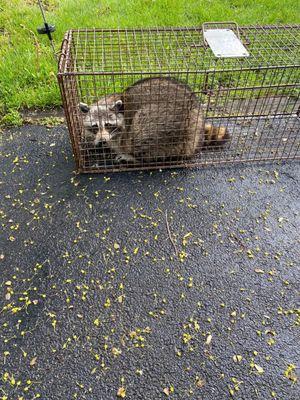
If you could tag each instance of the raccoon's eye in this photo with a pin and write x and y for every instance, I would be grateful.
(108, 125)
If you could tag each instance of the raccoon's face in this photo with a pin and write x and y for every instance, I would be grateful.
(103, 119)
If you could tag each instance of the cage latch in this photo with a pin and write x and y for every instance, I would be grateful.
(223, 38)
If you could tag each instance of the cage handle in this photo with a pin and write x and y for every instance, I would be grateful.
(207, 24)
(63, 51)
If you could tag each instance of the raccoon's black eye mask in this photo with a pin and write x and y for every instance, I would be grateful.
(118, 107)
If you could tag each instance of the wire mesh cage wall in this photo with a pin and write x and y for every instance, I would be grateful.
(155, 98)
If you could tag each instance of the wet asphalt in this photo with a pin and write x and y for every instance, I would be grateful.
(180, 284)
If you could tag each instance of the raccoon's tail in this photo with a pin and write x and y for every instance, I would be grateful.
(216, 135)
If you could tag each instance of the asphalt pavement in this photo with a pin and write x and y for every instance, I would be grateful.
(180, 284)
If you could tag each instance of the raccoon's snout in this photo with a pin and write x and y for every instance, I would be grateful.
(94, 128)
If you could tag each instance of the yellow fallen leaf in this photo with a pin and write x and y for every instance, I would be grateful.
(259, 271)
(200, 382)
(107, 303)
(33, 361)
(120, 299)
(53, 323)
(24, 353)
(208, 339)
(116, 352)
(186, 337)
(259, 369)
(290, 374)
(121, 392)
(97, 322)
(116, 246)
(237, 358)
(168, 390)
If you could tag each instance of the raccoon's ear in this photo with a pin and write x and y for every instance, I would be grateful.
(118, 106)
(84, 108)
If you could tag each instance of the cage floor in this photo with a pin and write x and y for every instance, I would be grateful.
(251, 139)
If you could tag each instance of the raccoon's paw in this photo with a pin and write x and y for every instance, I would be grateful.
(124, 158)
(216, 136)
(95, 165)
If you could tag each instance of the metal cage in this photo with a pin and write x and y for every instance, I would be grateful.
(248, 104)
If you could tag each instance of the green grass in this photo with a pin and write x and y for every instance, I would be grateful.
(27, 67)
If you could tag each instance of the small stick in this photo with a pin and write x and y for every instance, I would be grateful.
(170, 234)
(238, 240)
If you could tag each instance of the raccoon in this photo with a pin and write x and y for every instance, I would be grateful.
(163, 120)
(155, 119)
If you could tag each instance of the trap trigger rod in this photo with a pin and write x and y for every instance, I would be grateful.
(47, 29)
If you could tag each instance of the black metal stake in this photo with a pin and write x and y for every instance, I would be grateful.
(47, 29)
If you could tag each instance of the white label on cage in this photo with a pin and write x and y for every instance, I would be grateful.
(225, 43)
